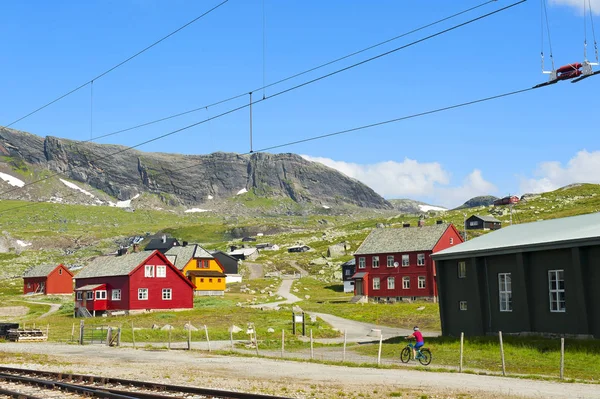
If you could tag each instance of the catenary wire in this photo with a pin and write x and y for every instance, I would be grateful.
(118, 65)
(279, 93)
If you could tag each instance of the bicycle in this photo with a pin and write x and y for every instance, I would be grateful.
(423, 354)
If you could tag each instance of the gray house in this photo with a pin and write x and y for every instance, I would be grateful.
(540, 277)
(477, 222)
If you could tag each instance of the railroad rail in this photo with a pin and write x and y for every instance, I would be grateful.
(112, 388)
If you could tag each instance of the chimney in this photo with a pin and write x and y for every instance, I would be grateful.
(185, 243)
(406, 225)
(439, 222)
(421, 222)
(136, 247)
(164, 238)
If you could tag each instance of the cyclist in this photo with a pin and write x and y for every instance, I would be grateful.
(420, 342)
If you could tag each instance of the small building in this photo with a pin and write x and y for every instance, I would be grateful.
(299, 248)
(268, 247)
(200, 267)
(244, 253)
(162, 244)
(512, 199)
(476, 222)
(230, 266)
(137, 282)
(48, 280)
(248, 239)
(539, 278)
(348, 270)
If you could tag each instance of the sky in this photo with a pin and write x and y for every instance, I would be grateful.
(535, 141)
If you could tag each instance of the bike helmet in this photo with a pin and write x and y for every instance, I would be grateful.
(416, 328)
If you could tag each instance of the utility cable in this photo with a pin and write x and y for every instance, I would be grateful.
(593, 30)
(549, 38)
(289, 77)
(118, 65)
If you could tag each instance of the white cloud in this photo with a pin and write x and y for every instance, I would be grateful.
(413, 180)
(578, 5)
(582, 168)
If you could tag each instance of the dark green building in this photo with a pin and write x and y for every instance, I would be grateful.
(541, 278)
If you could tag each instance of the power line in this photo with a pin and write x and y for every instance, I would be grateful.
(292, 76)
(118, 65)
(346, 131)
(275, 95)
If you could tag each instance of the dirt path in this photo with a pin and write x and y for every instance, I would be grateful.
(54, 307)
(256, 270)
(294, 264)
(289, 372)
(283, 291)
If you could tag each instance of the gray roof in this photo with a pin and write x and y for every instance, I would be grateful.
(405, 239)
(359, 275)
(554, 233)
(40, 271)
(114, 265)
(202, 253)
(488, 218)
(180, 256)
(89, 287)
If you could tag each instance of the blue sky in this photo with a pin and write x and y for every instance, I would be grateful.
(535, 141)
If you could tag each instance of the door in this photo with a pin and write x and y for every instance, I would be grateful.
(358, 287)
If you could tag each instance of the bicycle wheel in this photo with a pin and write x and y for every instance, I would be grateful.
(425, 358)
(405, 355)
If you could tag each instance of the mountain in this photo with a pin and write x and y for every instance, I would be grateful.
(406, 205)
(483, 200)
(176, 179)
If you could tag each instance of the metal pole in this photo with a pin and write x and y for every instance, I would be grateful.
(81, 327)
(344, 353)
(379, 353)
(282, 341)
(562, 358)
(303, 324)
(502, 353)
(462, 338)
(250, 121)
(312, 353)
(207, 340)
(293, 323)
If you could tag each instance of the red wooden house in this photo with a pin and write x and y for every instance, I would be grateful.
(141, 281)
(48, 280)
(392, 264)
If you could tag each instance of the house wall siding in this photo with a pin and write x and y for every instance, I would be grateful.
(60, 281)
(31, 284)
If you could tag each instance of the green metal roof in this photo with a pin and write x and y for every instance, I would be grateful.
(405, 239)
(528, 236)
(40, 271)
(104, 266)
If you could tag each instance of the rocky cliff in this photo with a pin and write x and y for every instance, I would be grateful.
(186, 179)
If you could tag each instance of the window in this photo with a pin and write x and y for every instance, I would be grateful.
(361, 263)
(218, 280)
(376, 284)
(421, 260)
(143, 294)
(556, 281)
(406, 282)
(60, 272)
(390, 261)
(347, 272)
(161, 271)
(201, 280)
(166, 294)
(451, 240)
(421, 282)
(116, 295)
(149, 271)
(210, 280)
(505, 290)
(375, 262)
(405, 260)
(101, 294)
(28, 285)
(79, 296)
(462, 269)
(89, 295)
(473, 223)
(462, 305)
(391, 281)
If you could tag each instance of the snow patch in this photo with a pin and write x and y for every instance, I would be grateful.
(194, 210)
(13, 181)
(210, 197)
(326, 207)
(75, 187)
(123, 204)
(242, 191)
(427, 208)
(23, 243)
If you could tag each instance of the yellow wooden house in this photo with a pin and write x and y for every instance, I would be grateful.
(200, 267)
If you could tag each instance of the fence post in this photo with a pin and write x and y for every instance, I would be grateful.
(256, 342)
(73, 332)
(207, 340)
(81, 324)
(231, 337)
(282, 341)
(312, 353)
(169, 344)
(379, 353)
(47, 331)
(562, 358)
(344, 353)
(132, 334)
(462, 340)
(502, 353)
(189, 337)
(119, 337)
(108, 336)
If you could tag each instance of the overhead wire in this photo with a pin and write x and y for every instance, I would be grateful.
(117, 65)
(230, 111)
(593, 30)
(545, 11)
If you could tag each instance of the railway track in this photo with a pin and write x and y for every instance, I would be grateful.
(36, 384)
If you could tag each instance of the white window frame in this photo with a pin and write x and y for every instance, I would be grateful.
(362, 262)
(142, 294)
(376, 283)
(451, 240)
(473, 223)
(347, 272)
(406, 283)
(79, 295)
(391, 283)
(100, 294)
(505, 292)
(161, 271)
(149, 271)
(375, 262)
(89, 295)
(462, 305)
(167, 294)
(405, 260)
(115, 295)
(462, 269)
(390, 261)
(60, 272)
(555, 305)
(422, 281)
(420, 259)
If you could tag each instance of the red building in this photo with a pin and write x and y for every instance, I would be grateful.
(392, 264)
(48, 280)
(136, 282)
